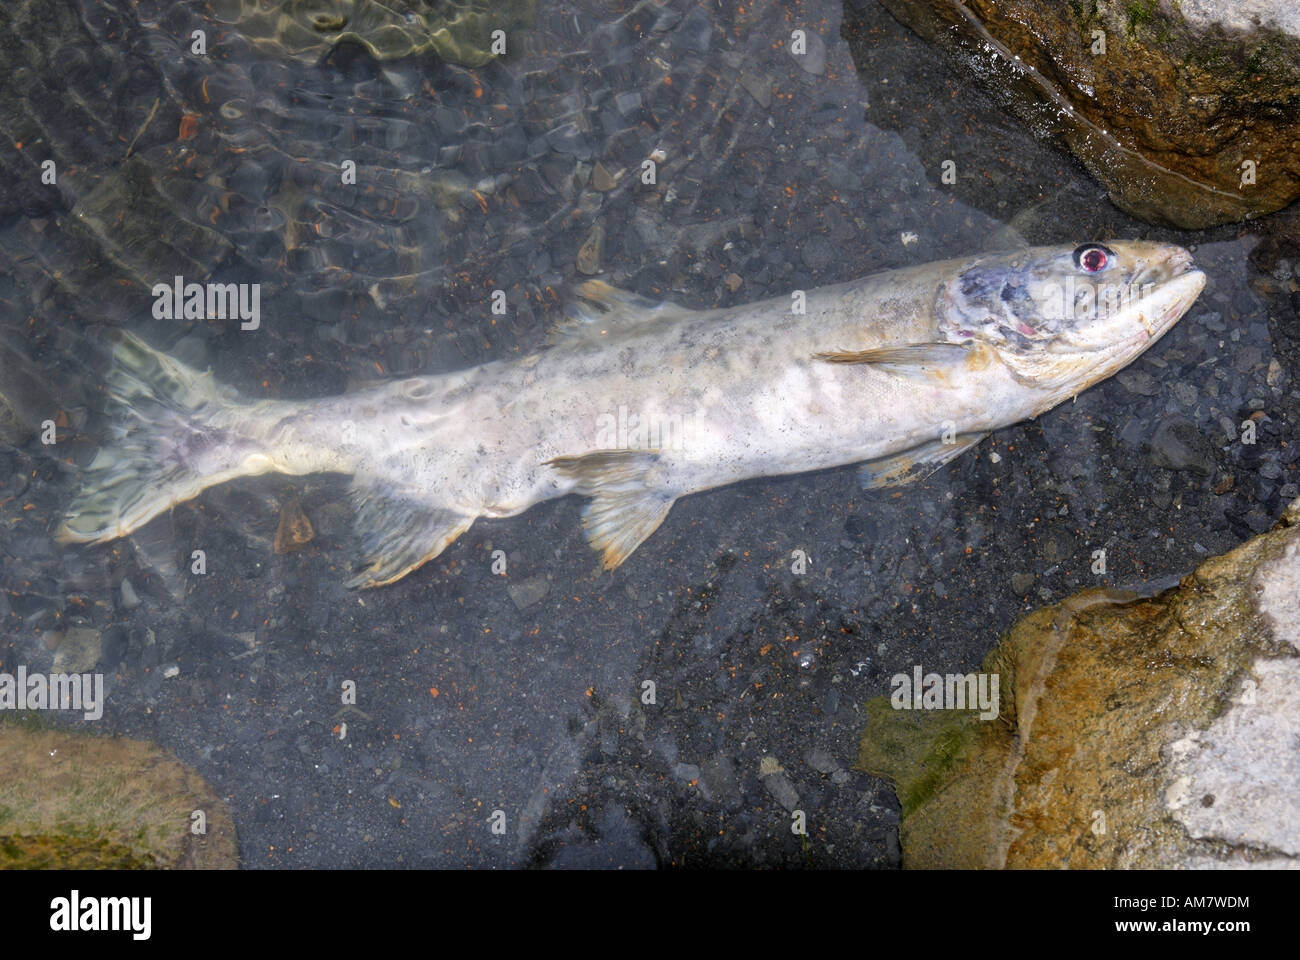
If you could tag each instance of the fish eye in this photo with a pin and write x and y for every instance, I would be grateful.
(1092, 257)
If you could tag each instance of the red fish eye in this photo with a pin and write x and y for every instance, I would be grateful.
(1092, 257)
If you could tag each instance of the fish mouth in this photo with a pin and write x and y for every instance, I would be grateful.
(1140, 326)
(1185, 286)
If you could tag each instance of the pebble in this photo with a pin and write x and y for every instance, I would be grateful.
(130, 599)
(1139, 382)
(813, 60)
(759, 87)
(1276, 376)
(592, 250)
(1022, 583)
(527, 592)
(782, 790)
(821, 761)
(1186, 393)
(78, 650)
(602, 179)
(1178, 445)
(817, 252)
(687, 772)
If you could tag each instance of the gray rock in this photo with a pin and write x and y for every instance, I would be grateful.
(817, 252)
(821, 761)
(813, 60)
(78, 651)
(130, 599)
(1179, 445)
(527, 592)
(782, 790)
(1139, 382)
(686, 772)
(759, 87)
(1022, 583)
(1186, 393)
(718, 778)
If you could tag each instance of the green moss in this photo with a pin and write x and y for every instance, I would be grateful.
(917, 749)
(1085, 13)
(73, 800)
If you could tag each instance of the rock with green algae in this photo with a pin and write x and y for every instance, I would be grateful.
(459, 31)
(1134, 732)
(78, 801)
(1187, 114)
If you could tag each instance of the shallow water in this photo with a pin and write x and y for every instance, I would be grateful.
(778, 173)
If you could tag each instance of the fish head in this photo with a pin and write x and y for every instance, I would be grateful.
(1065, 318)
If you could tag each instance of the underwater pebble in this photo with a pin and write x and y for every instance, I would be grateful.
(821, 761)
(1178, 445)
(814, 59)
(1139, 382)
(130, 599)
(782, 790)
(527, 592)
(687, 772)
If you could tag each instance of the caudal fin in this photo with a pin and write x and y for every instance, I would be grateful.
(164, 446)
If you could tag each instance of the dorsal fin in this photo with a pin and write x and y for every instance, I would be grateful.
(602, 311)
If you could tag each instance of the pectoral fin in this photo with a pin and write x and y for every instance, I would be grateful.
(623, 510)
(602, 311)
(916, 360)
(916, 463)
(399, 533)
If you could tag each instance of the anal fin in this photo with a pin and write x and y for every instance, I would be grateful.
(916, 463)
(399, 533)
(623, 510)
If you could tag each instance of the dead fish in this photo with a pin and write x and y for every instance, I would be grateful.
(635, 404)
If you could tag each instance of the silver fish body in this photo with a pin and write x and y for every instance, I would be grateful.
(635, 404)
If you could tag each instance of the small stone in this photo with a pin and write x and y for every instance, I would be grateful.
(625, 103)
(602, 179)
(818, 252)
(527, 592)
(821, 761)
(592, 250)
(172, 671)
(1022, 583)
(1139, 382)
(813, 59)
(732, 282)
(1186, 393)
(130, 599)
(687, 772)
(78, 651)
(1276, 376)
(782, 790)
(295, 530)
(1178, 445)
(769, 765)
(760, 88)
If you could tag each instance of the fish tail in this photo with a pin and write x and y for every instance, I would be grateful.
(167, 444)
